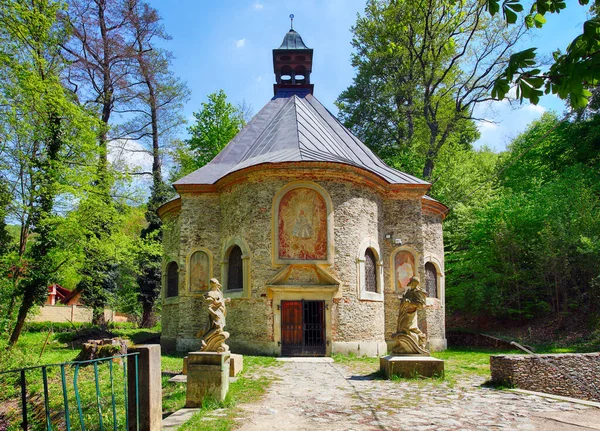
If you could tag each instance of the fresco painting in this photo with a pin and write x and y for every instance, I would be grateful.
(199, 272)
(404, 264)
(302, 230)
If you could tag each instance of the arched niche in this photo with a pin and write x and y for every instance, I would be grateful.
(369, 271)
(439, 277)
(404, 264)
(240, 250)
(302, 225)
(199, 270)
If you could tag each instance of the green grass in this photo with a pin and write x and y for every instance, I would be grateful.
(460, 364)
(58, 349)
(249, 386)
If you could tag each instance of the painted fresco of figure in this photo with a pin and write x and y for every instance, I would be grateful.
(199, 265)
(405, 269)
(302, 227)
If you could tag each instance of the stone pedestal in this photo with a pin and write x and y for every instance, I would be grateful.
(207, 376)
(148, 397)
(236, 365)
(185, 365)
(410, 366)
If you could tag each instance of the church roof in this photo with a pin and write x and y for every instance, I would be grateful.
(293, 40)
(294, 127)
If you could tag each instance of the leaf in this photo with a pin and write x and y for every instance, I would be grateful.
(591, 28)
(539, 20)
(579, 99)
(493, 7)
(510, 8)
(501, 88)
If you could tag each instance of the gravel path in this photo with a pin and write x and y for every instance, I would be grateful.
(328, 396)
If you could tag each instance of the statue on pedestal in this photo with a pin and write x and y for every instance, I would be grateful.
(409, 338)
(213, 338)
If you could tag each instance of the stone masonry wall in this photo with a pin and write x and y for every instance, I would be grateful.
(433, 251)
(569, 374)
(170, 306)
(402, 220)
(357, 217)
(244, 210)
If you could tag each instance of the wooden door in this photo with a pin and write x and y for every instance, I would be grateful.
(303, 328)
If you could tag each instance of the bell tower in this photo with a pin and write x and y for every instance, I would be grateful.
(292, 63)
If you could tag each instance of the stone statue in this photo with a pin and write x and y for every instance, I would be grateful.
(213, 338)
(408, 336)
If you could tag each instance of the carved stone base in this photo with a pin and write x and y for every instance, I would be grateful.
(215, 342)
(207, 376)
(236, 365)
(411, 366)
(408, 344)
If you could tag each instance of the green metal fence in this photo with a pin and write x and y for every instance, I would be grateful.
(83, 395)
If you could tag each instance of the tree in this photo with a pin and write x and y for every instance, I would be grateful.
(571, 74)
(422, 68)
(101, 75)
(44, 133)
(533, 246)
(215, 125)
(100, 71)
(158, 102)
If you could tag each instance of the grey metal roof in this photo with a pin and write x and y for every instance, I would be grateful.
(292, 40)
(294, 127)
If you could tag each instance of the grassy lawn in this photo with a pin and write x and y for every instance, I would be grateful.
(460, 364)
(248, 387)
(39, 348)
(57, 348)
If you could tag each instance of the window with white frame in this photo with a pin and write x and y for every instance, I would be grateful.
(370, 286)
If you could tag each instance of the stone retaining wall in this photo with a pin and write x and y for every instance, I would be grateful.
(568, 374)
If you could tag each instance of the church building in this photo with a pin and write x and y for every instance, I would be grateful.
(312, 236)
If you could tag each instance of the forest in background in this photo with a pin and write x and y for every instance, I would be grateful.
(83, 80)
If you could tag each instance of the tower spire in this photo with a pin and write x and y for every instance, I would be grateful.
(292, 62)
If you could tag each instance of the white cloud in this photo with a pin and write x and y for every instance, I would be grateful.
(240, 43)
(258, 78)
(258, 6)
(535, 108)
(509, 120)
(129, 156)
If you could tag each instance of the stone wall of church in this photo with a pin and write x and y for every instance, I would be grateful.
(244, 211)
(424, 240)
(358, 216)
(170, 306)
(433, 251)
(399, 222)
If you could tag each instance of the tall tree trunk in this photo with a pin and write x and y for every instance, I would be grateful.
(23, 312)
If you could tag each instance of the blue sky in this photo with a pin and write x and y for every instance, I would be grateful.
(228, 45)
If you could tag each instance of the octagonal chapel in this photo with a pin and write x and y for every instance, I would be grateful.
(312, 236)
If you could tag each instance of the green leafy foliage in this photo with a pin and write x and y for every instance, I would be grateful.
(217, 122)
(572, 73)
(422, 67)
(533, 246)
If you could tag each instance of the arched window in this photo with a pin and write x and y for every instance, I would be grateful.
(235, 271)
(370, 271)
(172, 280)
(431, 283)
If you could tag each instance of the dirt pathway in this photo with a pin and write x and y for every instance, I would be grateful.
(321, 395)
